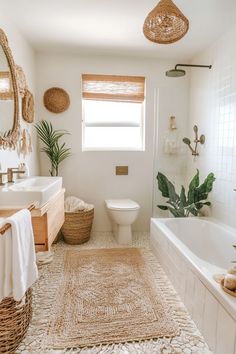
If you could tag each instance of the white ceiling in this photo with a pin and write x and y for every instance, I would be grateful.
(115, 26)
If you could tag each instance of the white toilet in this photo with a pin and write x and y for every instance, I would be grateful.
(123, 213)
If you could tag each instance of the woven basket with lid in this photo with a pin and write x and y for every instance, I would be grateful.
(77, 226)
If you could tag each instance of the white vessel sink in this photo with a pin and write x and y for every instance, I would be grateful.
(27, 191)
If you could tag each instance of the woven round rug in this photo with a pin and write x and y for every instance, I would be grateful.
(56, 100)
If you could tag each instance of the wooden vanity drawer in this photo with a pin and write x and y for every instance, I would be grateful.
(40, 229)
(55, 218)
(48, 221)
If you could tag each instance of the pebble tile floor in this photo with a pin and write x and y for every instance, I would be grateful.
(31, 343)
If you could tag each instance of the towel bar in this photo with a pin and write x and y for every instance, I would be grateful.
(8, 226)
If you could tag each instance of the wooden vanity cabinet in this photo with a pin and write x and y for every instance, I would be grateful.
(47, 221)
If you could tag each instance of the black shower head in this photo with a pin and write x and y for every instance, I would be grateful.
(179, 72)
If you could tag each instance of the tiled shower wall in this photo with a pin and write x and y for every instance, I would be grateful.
(213, 109)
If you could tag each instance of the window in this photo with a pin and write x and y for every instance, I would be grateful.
(113, 112)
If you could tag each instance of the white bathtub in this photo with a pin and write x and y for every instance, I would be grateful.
(192, 251)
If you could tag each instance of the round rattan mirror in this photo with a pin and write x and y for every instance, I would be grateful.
(9, 101)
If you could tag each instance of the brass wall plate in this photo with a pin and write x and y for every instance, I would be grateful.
(122, 170)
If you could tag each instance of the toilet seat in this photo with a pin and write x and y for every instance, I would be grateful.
(122, 204)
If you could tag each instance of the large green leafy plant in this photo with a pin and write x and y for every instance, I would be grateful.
(183, 205)
(55, 151)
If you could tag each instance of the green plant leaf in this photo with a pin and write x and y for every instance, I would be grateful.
(163, 184)
(173, 195)
(192, 186)
(177, 213)
(192, 210)
(183, 199)
(199, 205)
(166, 187)
(173, 203)
(201, 193)
(163, 207)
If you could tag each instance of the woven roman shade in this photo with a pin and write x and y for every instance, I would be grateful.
(112, 87)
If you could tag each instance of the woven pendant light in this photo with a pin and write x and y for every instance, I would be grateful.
(165, 24)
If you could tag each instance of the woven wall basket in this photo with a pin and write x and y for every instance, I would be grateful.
(77, 226)
(165, 24)
(15, 317)
(21, 80)
(56, 100)
(28, 107)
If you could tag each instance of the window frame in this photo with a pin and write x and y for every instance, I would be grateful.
(122, 149)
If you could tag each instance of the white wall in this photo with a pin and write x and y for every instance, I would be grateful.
(90, 175)
(213, 109)
(24, 56)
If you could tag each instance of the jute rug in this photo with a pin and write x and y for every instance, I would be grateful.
(46, 292)
(108, 296)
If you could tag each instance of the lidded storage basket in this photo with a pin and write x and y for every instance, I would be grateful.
(77, 226)
(15, 317)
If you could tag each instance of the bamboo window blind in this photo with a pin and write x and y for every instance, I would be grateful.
(114, 88)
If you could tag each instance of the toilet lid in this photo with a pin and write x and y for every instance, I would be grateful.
(122, 204)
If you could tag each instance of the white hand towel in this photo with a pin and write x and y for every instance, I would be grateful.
(24, 270)
(7, 285)
(73, 204)
(2, 260)
(88, 207)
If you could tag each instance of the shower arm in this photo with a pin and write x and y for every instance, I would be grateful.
(193, 66)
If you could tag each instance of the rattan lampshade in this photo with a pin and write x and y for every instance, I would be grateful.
(165, 24)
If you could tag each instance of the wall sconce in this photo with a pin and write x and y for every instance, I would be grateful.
(197, 140)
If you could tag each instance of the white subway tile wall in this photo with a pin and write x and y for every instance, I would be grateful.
(213, 109)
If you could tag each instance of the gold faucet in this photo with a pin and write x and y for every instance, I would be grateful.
(1, 178)
(10, 172)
